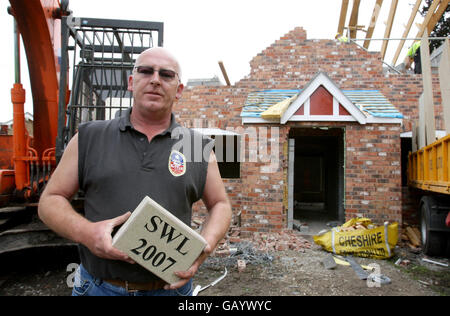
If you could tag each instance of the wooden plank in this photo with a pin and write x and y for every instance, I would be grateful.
(444, 79)
(343, 16)
(428, 17)
(373, 22)
(354, 18)
(407, 29)
(421, 139)
(415, 240)
(417, 233)
(437, 15)
(430, 129)
(224, 73)
(389, 24)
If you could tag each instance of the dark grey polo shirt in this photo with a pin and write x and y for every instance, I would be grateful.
(118, 167)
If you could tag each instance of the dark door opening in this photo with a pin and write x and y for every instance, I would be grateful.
(318, 174)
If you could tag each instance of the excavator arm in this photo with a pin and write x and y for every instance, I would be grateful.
(39, 24)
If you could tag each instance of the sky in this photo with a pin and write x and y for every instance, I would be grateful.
(200, 33)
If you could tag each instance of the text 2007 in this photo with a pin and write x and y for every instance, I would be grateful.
(150, 252)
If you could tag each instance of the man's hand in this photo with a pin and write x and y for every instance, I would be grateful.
(185, 276)
(99, 239)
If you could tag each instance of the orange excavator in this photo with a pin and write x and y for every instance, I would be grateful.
(78, 70)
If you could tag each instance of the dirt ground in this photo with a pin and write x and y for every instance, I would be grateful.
(280, 273)
(303, 274)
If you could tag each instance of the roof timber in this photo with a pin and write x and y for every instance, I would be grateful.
(435, 12)
(407, 29)
(343, 16)
(354, 18)
(430, 13)
(437, 15)
(389, 24)
(373, 22)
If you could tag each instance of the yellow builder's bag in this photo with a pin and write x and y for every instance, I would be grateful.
(359, 237)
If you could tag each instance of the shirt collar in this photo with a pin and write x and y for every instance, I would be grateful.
(125, 123)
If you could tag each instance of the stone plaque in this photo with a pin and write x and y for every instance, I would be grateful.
(157, 240)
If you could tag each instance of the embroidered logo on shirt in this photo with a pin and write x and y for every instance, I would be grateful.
(177, 163)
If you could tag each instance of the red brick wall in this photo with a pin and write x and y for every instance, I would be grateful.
(373, 172)
(264, 189)
(372, 176)
(404, 92)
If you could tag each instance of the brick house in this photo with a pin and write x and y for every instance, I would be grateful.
(334, 149)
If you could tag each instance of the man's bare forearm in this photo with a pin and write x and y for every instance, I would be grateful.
(217, 223)
(59, 215)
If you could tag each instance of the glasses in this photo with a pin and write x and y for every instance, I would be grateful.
(164, 74)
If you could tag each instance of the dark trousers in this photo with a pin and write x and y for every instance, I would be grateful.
(417, 62)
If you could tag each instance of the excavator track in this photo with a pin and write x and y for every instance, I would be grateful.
(20, 229)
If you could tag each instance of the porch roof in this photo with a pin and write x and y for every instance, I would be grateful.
(370, 102)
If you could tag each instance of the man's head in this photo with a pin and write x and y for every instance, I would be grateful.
(155, 81)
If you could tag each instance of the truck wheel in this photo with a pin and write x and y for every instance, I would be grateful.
(433, 244)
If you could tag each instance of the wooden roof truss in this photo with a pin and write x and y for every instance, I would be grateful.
(435, 12)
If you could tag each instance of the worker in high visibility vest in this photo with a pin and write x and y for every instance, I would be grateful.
(413, 55)
(341, 38)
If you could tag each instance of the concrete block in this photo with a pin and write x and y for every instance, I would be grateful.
(159, 241)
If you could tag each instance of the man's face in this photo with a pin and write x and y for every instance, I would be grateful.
(155, 82)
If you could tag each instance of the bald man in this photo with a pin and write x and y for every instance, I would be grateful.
(116, 164)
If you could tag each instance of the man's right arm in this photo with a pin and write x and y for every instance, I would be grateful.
(58, 214)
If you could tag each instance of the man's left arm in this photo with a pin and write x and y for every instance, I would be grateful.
(217, 222)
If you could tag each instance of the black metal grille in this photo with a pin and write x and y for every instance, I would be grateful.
(102, 54)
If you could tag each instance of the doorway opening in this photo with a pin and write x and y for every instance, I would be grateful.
(317, 175)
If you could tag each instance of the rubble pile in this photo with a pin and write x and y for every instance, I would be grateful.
(265, 242)
(285, 240)
(253, 250)
(239, 252)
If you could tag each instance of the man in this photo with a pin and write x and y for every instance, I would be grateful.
(413, 55)
(116, 163)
